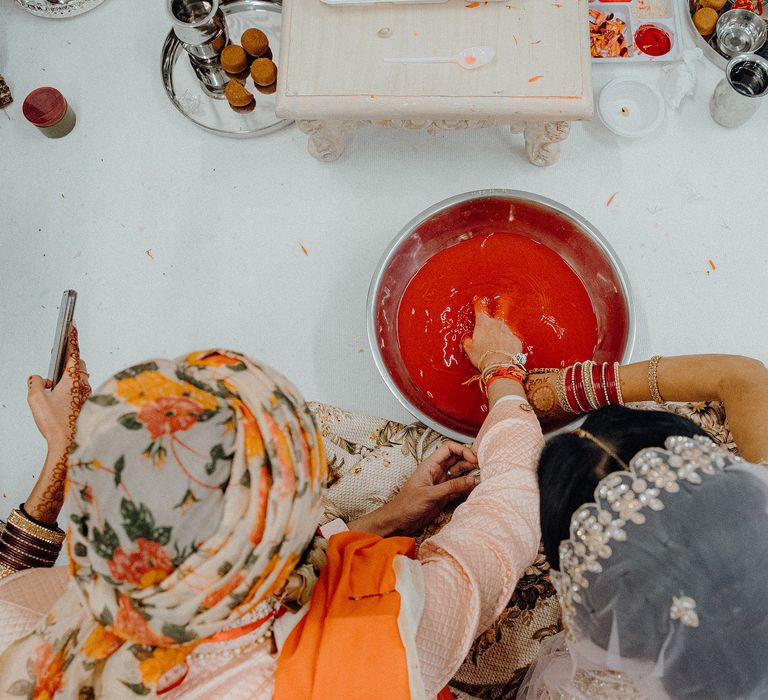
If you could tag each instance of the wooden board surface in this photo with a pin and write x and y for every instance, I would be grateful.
(332, 59)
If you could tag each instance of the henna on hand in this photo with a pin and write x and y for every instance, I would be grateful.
(46, 505)
(542, 395)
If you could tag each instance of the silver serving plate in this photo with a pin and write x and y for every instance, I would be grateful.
(212, 112)
(58, 9)
(477, 213)
(711, 53)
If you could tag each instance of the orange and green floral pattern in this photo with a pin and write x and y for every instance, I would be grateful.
(176, 468)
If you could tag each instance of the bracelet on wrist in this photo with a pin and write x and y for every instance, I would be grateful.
(518, 358)
(26, 543)
(490, 374)
(587, 386)
(653, 379)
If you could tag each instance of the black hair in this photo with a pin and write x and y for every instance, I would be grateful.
(570, 466)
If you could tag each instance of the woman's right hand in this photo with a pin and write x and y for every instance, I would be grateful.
(492, 340)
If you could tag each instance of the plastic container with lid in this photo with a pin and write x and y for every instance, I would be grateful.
(49, 111)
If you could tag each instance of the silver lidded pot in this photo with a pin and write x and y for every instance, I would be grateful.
(735, 99)
(202, 30)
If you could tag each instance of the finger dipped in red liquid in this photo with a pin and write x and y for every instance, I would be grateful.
(483, 306)
(505, 311)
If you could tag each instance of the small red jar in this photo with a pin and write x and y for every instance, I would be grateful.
(49, 111)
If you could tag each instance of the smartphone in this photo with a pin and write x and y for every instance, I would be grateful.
(63, 329)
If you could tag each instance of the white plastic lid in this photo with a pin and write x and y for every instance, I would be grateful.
(631, 108)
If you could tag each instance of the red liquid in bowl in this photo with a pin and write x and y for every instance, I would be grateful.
(554, 315)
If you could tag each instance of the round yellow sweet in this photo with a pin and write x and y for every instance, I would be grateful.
(263, 71)
(234, 59)
(705, 20)
(255, 42)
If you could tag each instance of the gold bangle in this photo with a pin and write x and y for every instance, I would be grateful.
(653, 379)
(45, 534)
(560, 391)
(616, 368)
(6, 570)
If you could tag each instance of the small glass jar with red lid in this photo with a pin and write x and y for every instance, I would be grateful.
(49, 111)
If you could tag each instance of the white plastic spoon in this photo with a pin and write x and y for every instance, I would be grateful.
(471, 58)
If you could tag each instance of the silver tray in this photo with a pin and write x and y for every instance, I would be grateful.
(710, 51)
(214, 113)
(43, 8)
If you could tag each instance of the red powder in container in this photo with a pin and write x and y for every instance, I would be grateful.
(652, 40)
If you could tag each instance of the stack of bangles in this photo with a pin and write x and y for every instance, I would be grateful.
(587, 386)
(27, 544)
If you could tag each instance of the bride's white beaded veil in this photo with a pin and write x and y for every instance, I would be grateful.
(662, 583)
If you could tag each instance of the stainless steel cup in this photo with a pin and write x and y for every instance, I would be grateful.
(202, 30)
(734, 100)
(740, 31)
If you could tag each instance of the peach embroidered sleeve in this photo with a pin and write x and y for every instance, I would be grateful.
(25, 597)
(471, 567)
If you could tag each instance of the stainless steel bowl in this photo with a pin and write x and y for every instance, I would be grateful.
(476, 214)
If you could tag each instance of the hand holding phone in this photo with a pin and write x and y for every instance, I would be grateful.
(63, 330)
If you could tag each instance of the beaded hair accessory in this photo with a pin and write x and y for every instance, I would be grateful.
(624, 497)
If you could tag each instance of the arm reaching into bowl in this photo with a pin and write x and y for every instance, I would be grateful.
(471, 567)
(740, 383)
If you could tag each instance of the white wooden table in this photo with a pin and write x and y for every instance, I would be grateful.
(333, 75)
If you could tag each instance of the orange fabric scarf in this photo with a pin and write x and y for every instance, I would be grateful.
(348, 645)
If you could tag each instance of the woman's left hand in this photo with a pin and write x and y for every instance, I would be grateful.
(541, 391)
(437, 481)
(56, 410)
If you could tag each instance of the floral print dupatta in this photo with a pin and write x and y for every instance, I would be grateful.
(194, 487)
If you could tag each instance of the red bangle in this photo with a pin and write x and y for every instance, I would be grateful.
(575, 381)
(595, 373)
(610, 385)
(568, 386)
(581, 388)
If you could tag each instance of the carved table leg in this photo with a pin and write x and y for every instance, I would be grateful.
(542, 140)
(326, 139)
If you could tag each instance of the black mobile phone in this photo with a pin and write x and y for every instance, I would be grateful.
(63, 328)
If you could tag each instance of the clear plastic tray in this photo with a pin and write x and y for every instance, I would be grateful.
(636, 14)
